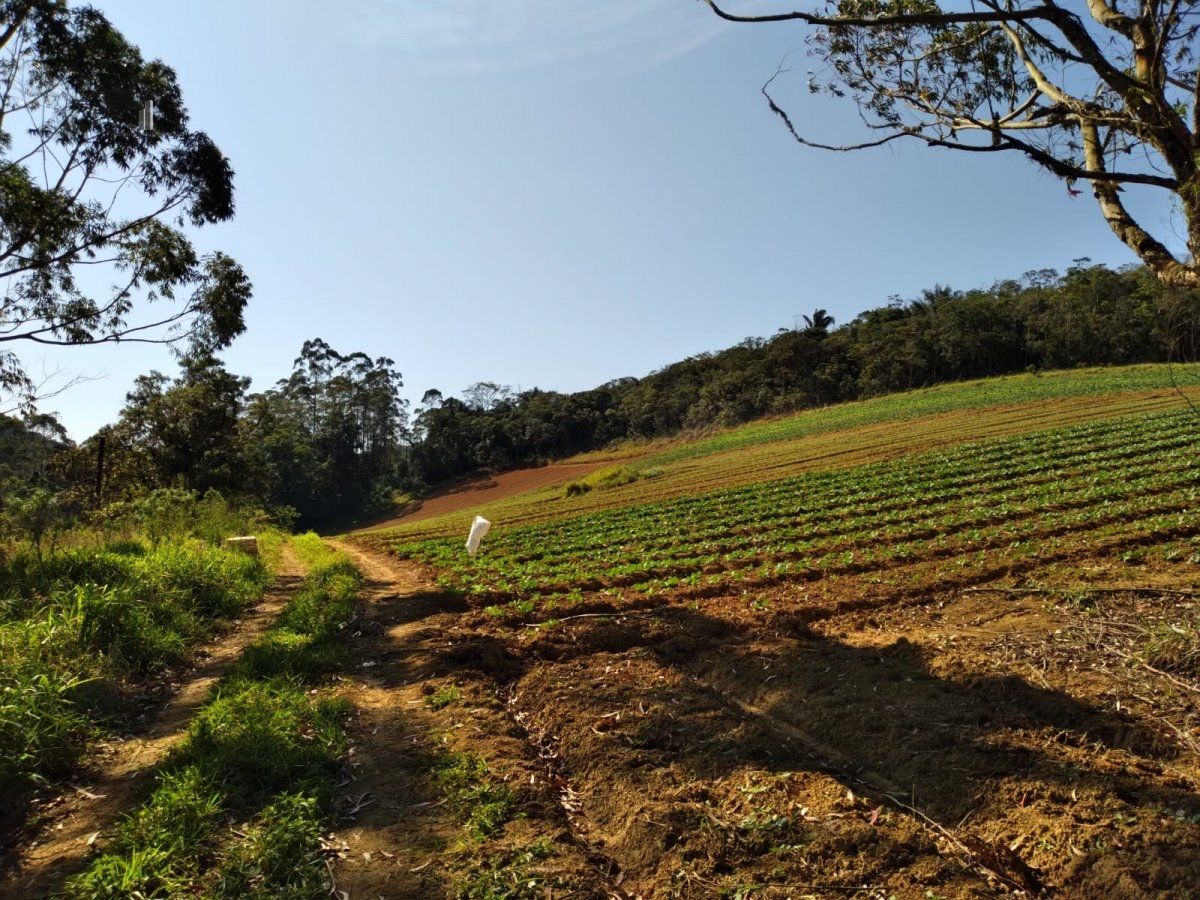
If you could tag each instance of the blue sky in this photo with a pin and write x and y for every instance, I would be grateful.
(552, 193)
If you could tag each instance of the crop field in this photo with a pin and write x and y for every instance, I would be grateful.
(959, 659)
(847, 436)
(968, 514)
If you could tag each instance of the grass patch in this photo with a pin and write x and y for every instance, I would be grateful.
(611, 477)
(279, 855)
(465, 781)
(512, 875)
(263, 752)
(442, 698)
(1173, 648)
(306, 641)
(79, 628)
(312, 551)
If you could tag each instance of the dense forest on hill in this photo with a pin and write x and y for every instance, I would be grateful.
(336, 439)
(1092, 315)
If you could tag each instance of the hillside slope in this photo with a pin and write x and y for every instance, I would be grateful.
(837, 437)
(948, 654)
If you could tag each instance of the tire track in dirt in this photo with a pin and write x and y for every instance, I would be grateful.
(390, 827)
(398, 836)
(66, 826)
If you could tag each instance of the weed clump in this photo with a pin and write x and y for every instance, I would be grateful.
(612, 477)
(464, 779)
(1174, 648)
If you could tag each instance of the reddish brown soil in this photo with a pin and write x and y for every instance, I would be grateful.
(911, 739)
(399, 837)
(488, 489)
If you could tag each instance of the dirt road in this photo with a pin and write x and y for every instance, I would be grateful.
(63, 827)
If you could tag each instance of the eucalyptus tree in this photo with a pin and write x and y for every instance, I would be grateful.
(331, 434)
(1102, 92)
(101, 172)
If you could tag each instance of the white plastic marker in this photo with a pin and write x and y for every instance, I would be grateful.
(478, 529)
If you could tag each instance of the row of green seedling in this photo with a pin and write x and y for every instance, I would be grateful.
(938, 512)
(916, 481)
(622, 545)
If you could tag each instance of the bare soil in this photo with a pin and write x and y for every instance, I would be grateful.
(473, 492)
(841, 738)
(398, 836)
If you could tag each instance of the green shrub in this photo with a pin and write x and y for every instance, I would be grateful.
(36, 515)
(174, 513)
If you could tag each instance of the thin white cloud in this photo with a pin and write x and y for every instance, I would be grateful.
(472, 36)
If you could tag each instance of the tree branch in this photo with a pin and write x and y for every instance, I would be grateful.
(949, 79)
(1110, 18)
(1123, 225)
(961, 18)
(17, 22)
(779, 111)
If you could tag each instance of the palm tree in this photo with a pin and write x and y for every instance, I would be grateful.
(817, 325)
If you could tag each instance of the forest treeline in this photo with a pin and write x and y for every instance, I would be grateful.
(335, 438)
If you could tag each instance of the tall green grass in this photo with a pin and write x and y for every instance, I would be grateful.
(79, 627)
(239, 807)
